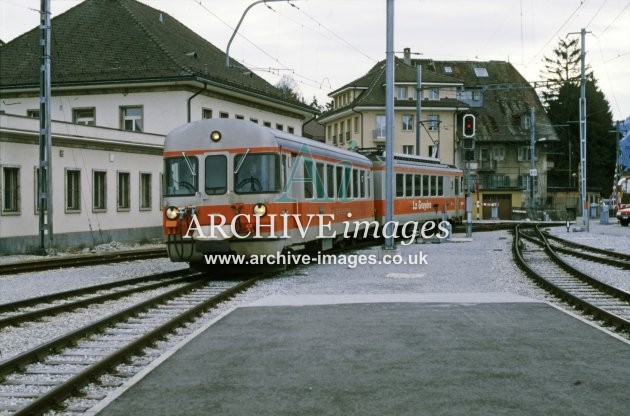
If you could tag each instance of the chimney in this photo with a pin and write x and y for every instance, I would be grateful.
(407, 56)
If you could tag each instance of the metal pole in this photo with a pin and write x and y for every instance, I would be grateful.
(583, 130)
(418, 105)
(389, 128)
(227, 50)
(44, 191)
(532, 155)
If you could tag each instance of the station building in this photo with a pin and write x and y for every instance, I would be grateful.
(123, 75)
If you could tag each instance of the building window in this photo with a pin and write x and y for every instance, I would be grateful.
(279, 126)
(291, 130)
(408, 149)
(356, 124)
(131, 118)
(380, 126)
(433, 150)
(32, 113)
(224, 115)
(206, 113)
(525, 122)
(401, 93)
(434, 94)
(239, 117)
(86, 116)
(267, 123)
(254, 120)
(11, 190)
(145, 191)
(73, 190)
(524, 154)
(99, 191)
(434, 122)
(123, 191)
(407, 122)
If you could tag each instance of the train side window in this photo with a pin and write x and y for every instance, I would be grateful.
(425, 185)
(408, 185)
(434, 188)
(308, 178)
(355, 183)
(330, 181)
(362, 182)
(216, 175)
(340, 187)
(347, 174)
(400, 184)
(369, 184)
(417, 185)
(319, 180)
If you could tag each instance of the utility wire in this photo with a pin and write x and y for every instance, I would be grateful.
(556, 32)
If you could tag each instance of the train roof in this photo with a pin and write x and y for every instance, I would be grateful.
(378, 156)
(243, 134)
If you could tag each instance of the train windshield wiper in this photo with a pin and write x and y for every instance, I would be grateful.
(192, 171)
(240, 163)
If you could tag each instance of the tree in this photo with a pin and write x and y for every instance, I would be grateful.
(562, 104)
(289, 87)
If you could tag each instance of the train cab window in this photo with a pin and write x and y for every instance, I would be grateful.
(216, 175)
(425, 185)
(408, 185)
(400, 184)
(355, 183)
(417, 185)
(256, 173)
(180, 176)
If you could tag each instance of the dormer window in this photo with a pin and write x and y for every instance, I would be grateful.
(481, 72)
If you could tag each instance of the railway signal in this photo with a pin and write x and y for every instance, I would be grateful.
(469, 125)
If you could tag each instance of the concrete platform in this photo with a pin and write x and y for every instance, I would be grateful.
(425, 354)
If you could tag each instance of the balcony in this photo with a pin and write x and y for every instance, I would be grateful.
(487, 165)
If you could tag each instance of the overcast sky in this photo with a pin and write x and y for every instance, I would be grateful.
(324, 44)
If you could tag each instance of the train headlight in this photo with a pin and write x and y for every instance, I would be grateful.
(172, 213)
(215, 136)
(260, 209)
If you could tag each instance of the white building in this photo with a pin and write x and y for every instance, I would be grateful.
(123, 75)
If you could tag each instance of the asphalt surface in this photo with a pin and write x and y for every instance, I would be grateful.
(426, 354)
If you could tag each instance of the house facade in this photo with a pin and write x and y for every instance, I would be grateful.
(499, 173)
(116, 92)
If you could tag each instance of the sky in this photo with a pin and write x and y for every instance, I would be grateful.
(325, 44)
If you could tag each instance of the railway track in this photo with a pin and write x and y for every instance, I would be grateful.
(49, 263)
(40, 378)
(540, 260)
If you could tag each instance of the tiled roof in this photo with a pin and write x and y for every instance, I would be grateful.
(110, 41)
(374, 84)
(507, 96)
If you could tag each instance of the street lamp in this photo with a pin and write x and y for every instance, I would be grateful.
(227, 50)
